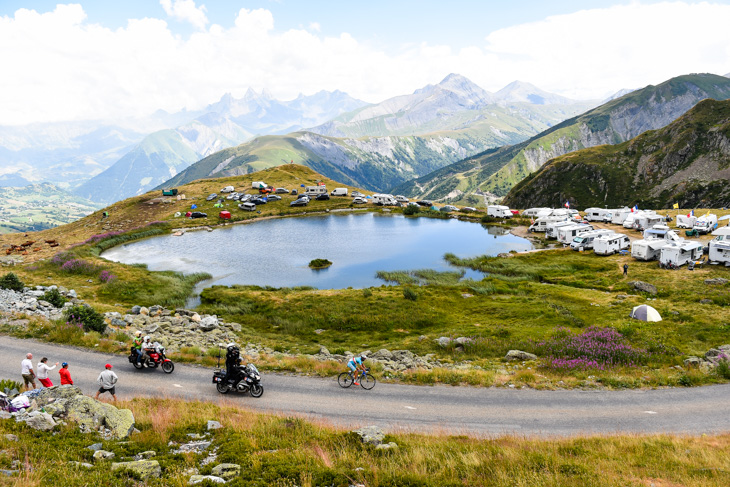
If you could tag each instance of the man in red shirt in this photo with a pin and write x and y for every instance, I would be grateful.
(65, 374)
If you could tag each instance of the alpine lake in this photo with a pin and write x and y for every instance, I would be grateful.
(276, 252)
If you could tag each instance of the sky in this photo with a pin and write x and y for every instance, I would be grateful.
(104, 60)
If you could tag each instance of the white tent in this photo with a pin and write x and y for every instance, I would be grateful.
(645, 312)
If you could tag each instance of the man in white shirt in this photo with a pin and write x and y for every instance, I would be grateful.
(107, 380)
(27, 371)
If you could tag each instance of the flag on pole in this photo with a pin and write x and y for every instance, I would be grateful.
(567, 204)
(691, 214)
(676, 206)
(635, 208)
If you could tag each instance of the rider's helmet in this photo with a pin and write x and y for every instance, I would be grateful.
(138, 334)
(232, 347)
(147, 338)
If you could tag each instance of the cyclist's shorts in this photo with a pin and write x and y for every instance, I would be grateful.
(352, 366)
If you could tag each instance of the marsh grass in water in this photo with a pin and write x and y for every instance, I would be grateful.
(285, 451)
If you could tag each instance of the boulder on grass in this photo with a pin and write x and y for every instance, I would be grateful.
(143, 468)
(520, 355)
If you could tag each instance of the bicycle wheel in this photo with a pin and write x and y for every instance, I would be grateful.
(367, 382)
(345, 379)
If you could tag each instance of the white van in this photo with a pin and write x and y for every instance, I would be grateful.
(542, 223)
(705, 224)
(686, 221)
(247, 206)
(314, 191)
(533, 212)
(258, 185)
(568, 233)
(499, 211)
(597, 215)
(584, 241)
(384, 199)
(339, 192)
(619, 215)
(680, 253)
(610, 244)
(647, 220)
(551, 229)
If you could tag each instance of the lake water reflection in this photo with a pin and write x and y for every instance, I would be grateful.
(277, 252)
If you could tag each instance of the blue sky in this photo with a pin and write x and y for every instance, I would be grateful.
(125, 58)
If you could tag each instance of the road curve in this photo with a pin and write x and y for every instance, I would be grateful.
(454, 410)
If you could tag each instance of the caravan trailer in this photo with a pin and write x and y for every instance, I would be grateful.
(647, 220)
(705, 223)
(551, 229)
(542, 223)
(533, 212)
(584, 241)
(720, 250)
(598, 215)
(618, 216)
(650, 246)
(680, 252)
(314, 191)
(499, 211)
(384, 199)
(568, 233)
(610, 244)
(686, 221)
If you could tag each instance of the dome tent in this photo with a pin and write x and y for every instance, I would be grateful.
(645, 312)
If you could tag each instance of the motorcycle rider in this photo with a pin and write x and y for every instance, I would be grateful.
(137, 345)
(233, 361)
(147, 347)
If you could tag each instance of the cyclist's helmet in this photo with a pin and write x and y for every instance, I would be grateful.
(363, 356)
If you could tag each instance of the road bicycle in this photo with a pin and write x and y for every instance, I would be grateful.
(346, 379)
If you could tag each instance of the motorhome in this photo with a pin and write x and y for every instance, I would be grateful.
(533, 212)
(719, 250)
(705, 223)
(384, 199)
(649, 248)
(686, 221)
(339, 192)
(551, 229)
(314, 191)
(680, 252)
(597, 215)
(258, 185)
(499, 211)
(542, 223)
(618, 216)
(610, 244)
(646, 220)
(568, 233)
(584, 241)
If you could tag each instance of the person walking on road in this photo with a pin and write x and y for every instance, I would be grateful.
(65, 375)
(626, 270)
(107, 381)
(26, 370)
(43, 369)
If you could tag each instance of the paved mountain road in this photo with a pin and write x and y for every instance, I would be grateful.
(456, 410)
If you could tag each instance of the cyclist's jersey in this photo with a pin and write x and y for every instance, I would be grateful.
(355, 361)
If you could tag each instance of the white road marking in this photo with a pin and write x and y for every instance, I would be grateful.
(177, 385)
(650, 412)
(409, 407)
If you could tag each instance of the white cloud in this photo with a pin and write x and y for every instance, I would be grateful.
(59, 66)
(186, 11)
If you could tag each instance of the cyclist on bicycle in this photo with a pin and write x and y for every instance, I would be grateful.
(356, 364)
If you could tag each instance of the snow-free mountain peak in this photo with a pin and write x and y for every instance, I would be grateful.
(523, 92)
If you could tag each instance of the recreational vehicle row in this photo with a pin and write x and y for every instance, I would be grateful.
(585, 240)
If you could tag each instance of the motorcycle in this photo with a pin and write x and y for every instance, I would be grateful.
(155, 358)
(245, 379)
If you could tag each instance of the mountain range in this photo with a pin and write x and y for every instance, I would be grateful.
(687, 163)
(496, 171)
(382, 145)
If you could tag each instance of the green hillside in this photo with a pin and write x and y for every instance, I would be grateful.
(687, 162)
(496, 172)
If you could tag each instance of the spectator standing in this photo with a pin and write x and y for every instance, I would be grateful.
(65, 375)
(27, 371)
(626, 269)
(43, 369)
(107, 381)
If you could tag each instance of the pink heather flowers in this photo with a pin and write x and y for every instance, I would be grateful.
(594, 349)
(78, 266)
(106, 276)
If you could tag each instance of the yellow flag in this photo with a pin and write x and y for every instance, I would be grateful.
(676, 206)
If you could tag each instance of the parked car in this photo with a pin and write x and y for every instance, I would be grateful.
(211, 197)
(198, 214)
(248, 206)
(281, 191)
(232, 196)
(355, 194)
(227, 189)
(359, 200)
(294, 192)
(468, 209)
(300, 202)
(412, 203)
(447, 208)
(401, 199)
(273, 197)
(245, 197)
(259, 201)
(426, 203)
(323, 197)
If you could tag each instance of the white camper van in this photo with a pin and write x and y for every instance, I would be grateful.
(314, 191)
(258, 185)
(618, 216)
(610, 244)
(705, 223)
(584, 241)
(598, 215)
(384, 199)
(686, 221)
(719, 250)
(533, 212)
(339, 192)
(551, 229)
(680, 253)
(646, 220)
(542, 223)
(567, 234)
(499, 211)
(649, 248)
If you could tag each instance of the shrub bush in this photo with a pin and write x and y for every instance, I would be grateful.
(54, 297)
(723, 367)
(410, 293)
(11, 281)
(87, 317)
(319, 263)
(366, 293)
(411, 210)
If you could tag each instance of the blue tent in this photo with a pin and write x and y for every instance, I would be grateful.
(193, 206)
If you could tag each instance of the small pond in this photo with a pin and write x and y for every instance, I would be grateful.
(277, 252)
